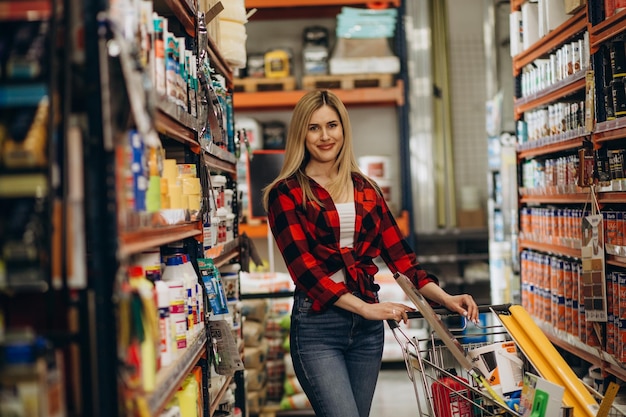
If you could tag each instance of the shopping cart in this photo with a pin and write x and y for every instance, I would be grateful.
(446, 386)
(436, 374)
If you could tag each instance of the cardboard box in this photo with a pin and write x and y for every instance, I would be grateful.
(554, 13)
(530, 24)
(501, 365)
(470, 219)
(572, 6)
(540, 397)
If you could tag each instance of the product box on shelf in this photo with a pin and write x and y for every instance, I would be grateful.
(360, 56)
(468, 219)
(572, 6)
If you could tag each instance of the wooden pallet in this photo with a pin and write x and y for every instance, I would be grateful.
(347, 81)
(253, 85)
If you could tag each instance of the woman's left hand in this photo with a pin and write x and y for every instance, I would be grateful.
(463, 304)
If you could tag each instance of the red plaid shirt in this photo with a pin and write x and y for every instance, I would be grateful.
(308, 239)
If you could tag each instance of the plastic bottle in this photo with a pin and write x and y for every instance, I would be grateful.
(167, 337)
(200, 302)
(150, 342)
(173, 275)
(191, 279)
(187, 396)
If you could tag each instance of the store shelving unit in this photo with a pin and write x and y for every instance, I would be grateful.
(179, 132)
(75, 302)
(604, 134)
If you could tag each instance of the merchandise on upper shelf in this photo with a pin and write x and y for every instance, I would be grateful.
(571, 133)
(354, 54)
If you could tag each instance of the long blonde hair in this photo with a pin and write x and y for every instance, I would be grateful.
(296, 155)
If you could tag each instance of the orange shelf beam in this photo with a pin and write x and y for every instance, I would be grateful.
(185, 14)
(549, 248)
(607, 29)
(254, 231)
(577, 198)
(148, 238)
(273, 100)
(264, 4)
(615, 197)
(610, 130)
(549, 97)
(171, 128)
(561, 146)
(25, 10)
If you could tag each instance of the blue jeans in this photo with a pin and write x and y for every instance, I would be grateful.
(336, 356)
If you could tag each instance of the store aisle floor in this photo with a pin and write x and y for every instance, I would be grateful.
(394, 394)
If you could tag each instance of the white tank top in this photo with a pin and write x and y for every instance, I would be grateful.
(347, 217)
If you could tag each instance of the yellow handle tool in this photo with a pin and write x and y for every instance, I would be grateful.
(607, 401)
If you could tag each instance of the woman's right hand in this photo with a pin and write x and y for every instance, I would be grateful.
(387, 310)
(376, 311)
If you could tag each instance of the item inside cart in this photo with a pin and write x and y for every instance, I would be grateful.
(501, 364)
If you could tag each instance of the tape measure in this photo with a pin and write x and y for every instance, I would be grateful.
(607, 401)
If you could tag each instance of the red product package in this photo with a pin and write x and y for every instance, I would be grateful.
(451, 398)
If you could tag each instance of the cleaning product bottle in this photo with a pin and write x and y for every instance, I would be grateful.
(149, 343)
(167, 337)
(200, 303)
(173, 276)
(187, 396)
(451, 397)
(191, 279)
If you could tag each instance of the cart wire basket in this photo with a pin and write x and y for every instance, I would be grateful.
(442, 387)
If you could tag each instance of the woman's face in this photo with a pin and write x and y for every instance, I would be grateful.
(324, 137)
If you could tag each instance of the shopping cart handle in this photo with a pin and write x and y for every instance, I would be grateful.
(392, 324)
(444, 312)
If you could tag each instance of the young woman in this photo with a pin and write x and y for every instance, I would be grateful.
(330, 221)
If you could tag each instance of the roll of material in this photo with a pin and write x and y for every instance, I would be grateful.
(232, 42)
(547, 360)
(234, 10)
(376, 167)
(533, 353)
